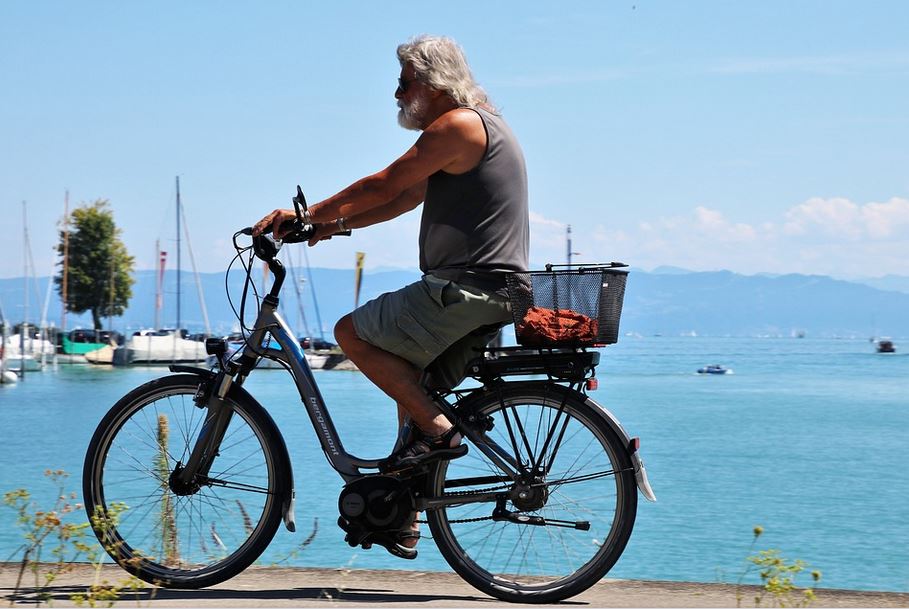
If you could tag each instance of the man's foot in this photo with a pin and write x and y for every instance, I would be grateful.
(426, 449)
(404, 544)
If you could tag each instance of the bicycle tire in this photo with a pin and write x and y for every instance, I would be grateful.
(554, 564)
(190, 541)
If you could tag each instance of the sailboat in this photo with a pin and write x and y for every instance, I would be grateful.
(169, 345)
(26, 350)
(7, 377)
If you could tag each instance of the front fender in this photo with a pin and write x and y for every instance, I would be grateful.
(238, 393)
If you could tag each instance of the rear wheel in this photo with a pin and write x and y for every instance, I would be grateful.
(168, 534)
(559, 531)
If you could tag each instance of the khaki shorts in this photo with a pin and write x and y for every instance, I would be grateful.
(436, 324)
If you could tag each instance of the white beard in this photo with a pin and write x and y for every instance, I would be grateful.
(410, 115)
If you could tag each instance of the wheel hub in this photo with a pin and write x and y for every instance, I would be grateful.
(180, 488)
(529, 496)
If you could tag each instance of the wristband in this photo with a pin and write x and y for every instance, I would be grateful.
(342, 224)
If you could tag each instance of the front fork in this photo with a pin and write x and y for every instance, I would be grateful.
(188, 478)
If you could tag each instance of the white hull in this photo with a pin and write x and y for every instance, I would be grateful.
(152, 349)
(34, 347)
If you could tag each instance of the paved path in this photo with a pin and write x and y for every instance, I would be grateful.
(289, 587)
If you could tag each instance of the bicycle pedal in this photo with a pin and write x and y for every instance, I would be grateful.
(416, 463)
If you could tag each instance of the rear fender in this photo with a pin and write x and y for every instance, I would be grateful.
(632, 445)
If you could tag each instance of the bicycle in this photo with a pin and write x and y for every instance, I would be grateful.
(187, 478)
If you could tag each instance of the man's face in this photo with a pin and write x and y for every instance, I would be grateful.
(413, 100)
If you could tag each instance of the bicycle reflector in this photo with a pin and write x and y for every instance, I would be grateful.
(593, 384)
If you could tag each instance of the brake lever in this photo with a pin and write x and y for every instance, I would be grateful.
(300, 200)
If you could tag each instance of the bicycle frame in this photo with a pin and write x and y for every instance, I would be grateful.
(348, 466)
(291, 354)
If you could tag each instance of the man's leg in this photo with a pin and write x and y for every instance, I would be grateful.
(394, 375)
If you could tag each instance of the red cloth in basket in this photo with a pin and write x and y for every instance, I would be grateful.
(541, 326)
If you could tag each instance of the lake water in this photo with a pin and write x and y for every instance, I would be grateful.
(808, 438)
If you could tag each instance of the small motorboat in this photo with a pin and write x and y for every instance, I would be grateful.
(885, 346)
(714, 369)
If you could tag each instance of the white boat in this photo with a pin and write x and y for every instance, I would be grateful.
(31, 353)
(150, 347)
(7, 377)
(34, 346)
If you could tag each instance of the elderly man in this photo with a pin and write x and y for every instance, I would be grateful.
(468, 171)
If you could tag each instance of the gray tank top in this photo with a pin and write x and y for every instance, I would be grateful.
(475, 225)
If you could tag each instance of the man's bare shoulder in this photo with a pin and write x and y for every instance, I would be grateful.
(458, 121)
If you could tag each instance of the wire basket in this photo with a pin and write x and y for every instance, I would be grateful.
(578, 307)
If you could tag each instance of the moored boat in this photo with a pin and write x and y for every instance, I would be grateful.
(714, 369)
(75, 345)
(159, 347)
(885, 346)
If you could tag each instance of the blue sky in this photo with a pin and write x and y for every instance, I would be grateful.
(755, 137)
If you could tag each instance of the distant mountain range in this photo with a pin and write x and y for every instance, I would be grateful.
(667, 301)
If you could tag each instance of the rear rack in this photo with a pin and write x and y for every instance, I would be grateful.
(560, 363)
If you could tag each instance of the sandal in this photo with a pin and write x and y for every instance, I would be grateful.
(425, 449)
(396, 548)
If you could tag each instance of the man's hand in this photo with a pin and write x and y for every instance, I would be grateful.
(273, 221)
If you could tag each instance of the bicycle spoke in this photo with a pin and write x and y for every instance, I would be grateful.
(206, 526)
(539, 536)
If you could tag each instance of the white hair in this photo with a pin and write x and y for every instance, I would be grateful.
(440, 63)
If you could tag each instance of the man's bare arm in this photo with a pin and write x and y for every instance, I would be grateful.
(406, 201)
(455, 139)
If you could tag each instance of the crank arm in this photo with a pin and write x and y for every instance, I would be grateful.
(517, 518)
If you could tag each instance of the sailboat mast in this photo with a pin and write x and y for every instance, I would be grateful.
(24, 326)
(65, 260)
(178, 253)
(156, 265)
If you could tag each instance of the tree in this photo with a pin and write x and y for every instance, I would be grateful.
(99, 273)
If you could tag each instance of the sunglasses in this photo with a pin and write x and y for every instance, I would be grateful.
(403, 85)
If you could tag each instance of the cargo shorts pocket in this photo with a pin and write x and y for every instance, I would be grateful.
(442, 291)
(430, 344)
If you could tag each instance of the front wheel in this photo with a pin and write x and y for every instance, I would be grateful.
(168, 534)
(557, 532)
